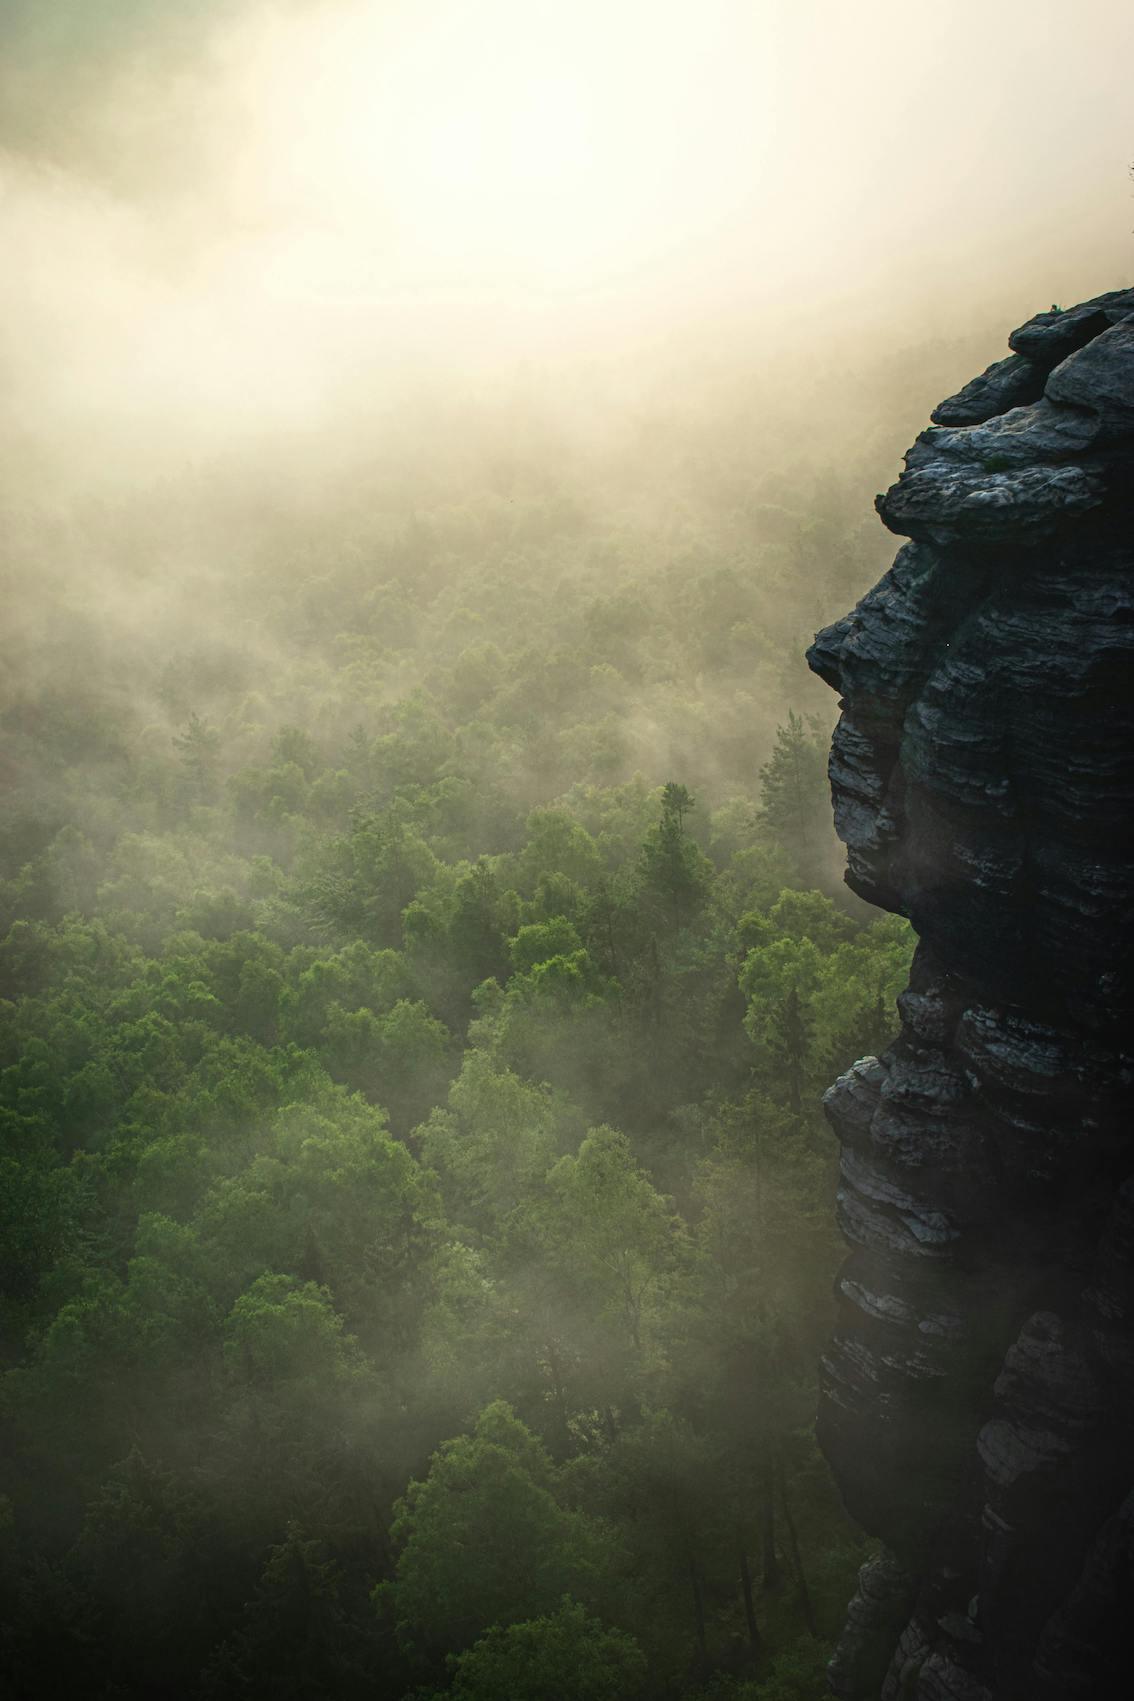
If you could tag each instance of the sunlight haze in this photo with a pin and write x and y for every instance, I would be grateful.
(432, 434)
(221, 218)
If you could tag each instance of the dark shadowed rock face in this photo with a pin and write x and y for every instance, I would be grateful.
(978, 1397)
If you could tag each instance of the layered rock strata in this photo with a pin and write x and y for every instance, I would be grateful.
(977, 1400)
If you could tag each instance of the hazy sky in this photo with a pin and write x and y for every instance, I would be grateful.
(220, 217)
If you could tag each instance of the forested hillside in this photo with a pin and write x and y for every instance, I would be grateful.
(423, 950)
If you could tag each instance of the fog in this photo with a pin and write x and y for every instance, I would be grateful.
(284, 279)
(431, 431)
(227, 225)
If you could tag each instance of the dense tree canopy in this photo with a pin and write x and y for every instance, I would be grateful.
(414, 1203)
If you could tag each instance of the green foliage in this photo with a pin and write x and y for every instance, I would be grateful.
(199, 749)
(539, 942)
(368, 877)
(297, 1637)
(485, 1539)
(401, 1059)
(496, 1140)
(391, 1036)
(794, 811)
(674, 870)
(604, 1219)
(820, 992)
(566, 1654)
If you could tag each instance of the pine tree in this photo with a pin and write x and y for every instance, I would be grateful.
(674, 868)
(795, 811)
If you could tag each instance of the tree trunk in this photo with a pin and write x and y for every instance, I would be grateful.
(559, 1397)
(698, 1608)
(746, 1595)
(610, 945)
(805, 1605)
(773, 1572)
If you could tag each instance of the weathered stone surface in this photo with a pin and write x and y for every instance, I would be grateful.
(1006, 384)
(875, 1618)
(977, 1396)
(942, 1679)
(1050, 337)
(943, 500)
(1083, 1652)
(1023, 436)
(1100, 380)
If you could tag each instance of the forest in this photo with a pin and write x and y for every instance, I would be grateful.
(424, 951)
(430, 437)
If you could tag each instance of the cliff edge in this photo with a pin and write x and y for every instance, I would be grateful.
(977, 1400)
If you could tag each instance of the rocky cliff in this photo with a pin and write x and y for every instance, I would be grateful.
(977, 1399)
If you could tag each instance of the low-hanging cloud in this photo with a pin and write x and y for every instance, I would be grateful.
(271, 223)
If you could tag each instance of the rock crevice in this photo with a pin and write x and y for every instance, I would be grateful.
(978, 1396)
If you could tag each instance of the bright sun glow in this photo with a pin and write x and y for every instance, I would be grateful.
(547, 146)
(297, 208)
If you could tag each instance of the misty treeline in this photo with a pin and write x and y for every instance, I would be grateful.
(424, 949)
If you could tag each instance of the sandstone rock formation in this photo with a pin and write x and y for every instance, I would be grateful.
(977, 1400)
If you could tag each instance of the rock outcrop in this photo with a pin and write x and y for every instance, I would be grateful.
(977, 1400)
